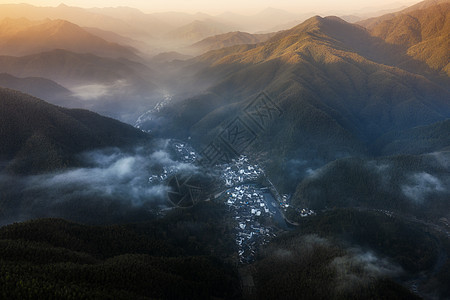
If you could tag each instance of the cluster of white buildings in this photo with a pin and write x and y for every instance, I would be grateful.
(185, 152)
(240, 170)
(305, 212)
(166, 173)
(249, 207)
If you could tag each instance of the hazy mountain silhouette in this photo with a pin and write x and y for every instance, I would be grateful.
(57, 34)
(76, 15)
(68, 67)
(230, 39)
(36, 86)
(198, 30)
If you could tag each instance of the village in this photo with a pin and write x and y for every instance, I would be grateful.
(252, 214)
(240, 170)
(258, 214)
(183, 152)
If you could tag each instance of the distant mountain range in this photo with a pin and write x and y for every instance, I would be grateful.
(70, 68)
(76, 15)
(59, 34)
(230, 39)
(198, 30)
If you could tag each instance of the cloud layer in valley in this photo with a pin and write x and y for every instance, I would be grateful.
(113, 185)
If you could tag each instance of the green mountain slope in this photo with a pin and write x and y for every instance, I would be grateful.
(332, 83)
(417, 140)
(53, 258)
(405, 183)
(36, 136)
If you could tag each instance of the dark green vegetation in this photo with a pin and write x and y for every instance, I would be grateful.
(38, 137)
(413, 184)
(176, 257)
(417, 140)
(351, 98)
(308, 267)
(381, 246)
(189, 254)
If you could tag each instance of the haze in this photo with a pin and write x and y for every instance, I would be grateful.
(245, 7)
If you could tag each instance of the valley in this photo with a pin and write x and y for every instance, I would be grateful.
(225, 150)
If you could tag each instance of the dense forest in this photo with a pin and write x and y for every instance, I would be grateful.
(181, 256)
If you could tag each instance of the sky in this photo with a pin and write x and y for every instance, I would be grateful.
(218, 6)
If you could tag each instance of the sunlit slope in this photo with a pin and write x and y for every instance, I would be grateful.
(324, 65)
(424, 33)
(23, 37)
(333, 83)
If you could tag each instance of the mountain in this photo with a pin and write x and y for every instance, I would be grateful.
(113, 37)
(10, 26)
(198, 30)
(230, 39)
(423, 32)
(36, 86)
(154, 26)
(76, 15)
(67, 67)
(416, 185)
(119, 88)
(37, 136)
(262, 21)
(177, 19)
(372, 22)
(56, 34)
(155, 259)
(169, 57)
(416, 140)
(333, 84)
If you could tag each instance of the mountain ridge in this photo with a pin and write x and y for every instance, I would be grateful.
(58, 34)
(38, 137)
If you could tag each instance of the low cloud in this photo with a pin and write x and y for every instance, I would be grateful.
(359, 267)
(113, 185)
(96, 91)
(421, 186)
